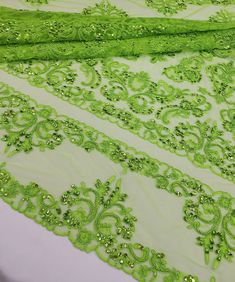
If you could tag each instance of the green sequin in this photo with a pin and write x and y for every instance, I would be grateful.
(171, 7)
(151, 108)
(27, 126)
(104, 8)
(94, 219)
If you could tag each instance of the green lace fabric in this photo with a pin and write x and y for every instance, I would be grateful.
(100, 206)
(170, 7)
(46, 130)
(117, 131)
(45, 35)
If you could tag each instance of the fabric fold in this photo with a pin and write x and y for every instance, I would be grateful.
(26, 35)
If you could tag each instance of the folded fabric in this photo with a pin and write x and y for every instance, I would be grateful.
(131, 159)
(26, 35)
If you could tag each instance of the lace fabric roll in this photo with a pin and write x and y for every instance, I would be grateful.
(20, 26)
(29, 35)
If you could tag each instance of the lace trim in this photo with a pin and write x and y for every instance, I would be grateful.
(166, 7)
(210, 214)
(104, 8)
(150, 107)
(171, 7)
(222, 16)
(93, 219)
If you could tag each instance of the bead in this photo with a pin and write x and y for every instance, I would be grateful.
(189, 278)
(60, 128)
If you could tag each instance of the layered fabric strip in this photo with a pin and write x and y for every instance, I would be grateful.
(26, 35)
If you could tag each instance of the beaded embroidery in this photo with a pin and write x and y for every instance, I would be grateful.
(104, 8)
(49, 36)
(222, 16)
(166, 7)
(93, 219)
(211, 214)
(171, 7)
(27, 126)
(150, 107)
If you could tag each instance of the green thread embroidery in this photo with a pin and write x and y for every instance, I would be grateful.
(189, 69)
(93, 219)
(104, 8)
(150, 107)
(222, 16)
(167, 7)
(228, 120)
(171, 7)
(33, 34)
(208, 214)
(222, 77)
(39, 2)
(28, 125)
(160, 57)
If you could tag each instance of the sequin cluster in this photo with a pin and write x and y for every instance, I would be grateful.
(94, 219)
(104, 8)
(171, 7)
(147, 108)
(28, 126)
(70, 35)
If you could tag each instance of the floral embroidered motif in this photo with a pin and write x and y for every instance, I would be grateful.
(34, 34)
(171, 7)
(222, 16)
(94, 219)
(167, 7)
(213, 218)
(146, 108)
(28, 126)
(189, 69)
(104, 8)
(222, 77)
(228, 117)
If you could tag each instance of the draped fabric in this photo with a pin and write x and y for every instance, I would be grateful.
(117, 130)
(45, 35)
